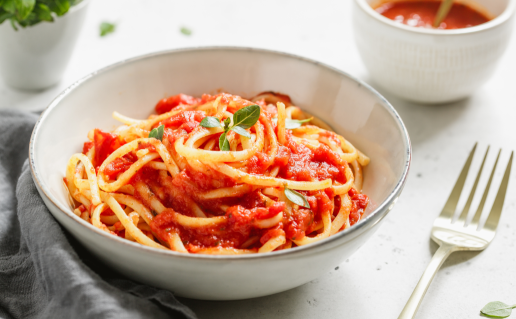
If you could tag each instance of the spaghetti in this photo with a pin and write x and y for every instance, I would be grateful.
(219, 175)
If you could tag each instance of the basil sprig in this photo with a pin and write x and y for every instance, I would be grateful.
(497, 309)
(157, 133)
(297, 198)
(242, 120)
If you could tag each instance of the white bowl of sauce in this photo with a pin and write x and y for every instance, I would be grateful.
(406, 56)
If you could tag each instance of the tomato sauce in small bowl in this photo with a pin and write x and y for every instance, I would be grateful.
(422, 13)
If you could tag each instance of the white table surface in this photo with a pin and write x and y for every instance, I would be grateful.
(377, 280)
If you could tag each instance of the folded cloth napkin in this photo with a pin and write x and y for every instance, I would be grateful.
(44, 272)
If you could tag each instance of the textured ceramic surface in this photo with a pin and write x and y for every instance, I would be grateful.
(132, 87)
(34, 58)
(431, 66)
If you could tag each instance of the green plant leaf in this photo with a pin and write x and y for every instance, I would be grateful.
(106, 28)
(296, 198)
(223, 142)
(239, 130)
(210, 121)
(43, 12)
(497, 309)
(185, 31)
(9, 6)
(293, 124)
(157, 133)
(24, 8)
(247, 116)
(60, 7)
(4, 16)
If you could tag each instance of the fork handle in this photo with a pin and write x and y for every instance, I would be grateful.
(422, 286)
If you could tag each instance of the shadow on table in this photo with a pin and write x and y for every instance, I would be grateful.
(455, 258)
(423, 121)
(282, 305)
(302, 302)
(33, 101)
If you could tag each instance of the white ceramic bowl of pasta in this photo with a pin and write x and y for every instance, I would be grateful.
(427, 65)
(132, 87)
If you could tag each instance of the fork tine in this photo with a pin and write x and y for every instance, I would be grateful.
(465, 211)
(476, 218)
(451, 203)
(496, 210)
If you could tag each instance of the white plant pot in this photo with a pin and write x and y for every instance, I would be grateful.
(35, 57)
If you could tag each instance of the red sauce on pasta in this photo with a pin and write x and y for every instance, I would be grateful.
(251, 218)
(422, 14)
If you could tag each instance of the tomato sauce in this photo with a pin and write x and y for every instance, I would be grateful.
(180, 193)
(422, 14)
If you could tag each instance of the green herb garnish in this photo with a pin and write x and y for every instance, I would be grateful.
(293, 124)
(157, 133)
(242, 120)
(185, 31)
(241, 131)
(223, 142)
(106, 28)
(247, 116)
(297, 198)
(497, 309)
(26, 13)
(210, 121)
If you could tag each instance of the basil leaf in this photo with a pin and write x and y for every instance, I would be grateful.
(185, 31)
(293, 124)
(106, 28)
(157, 133)
(497, 309)
(223, 143)
(241, 131)
(296, 198)
(227, 123)
(24, 8)
(210, 121)
(247, 116)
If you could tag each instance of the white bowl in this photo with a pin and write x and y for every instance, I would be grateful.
(427, 65)
(134, 86)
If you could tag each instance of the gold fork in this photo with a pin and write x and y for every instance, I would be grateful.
(456, 235)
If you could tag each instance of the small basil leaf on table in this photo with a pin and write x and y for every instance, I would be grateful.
(106, 28)
(291, 124)
(497, 309)
(223, 142)
(157, 133)
(210, 121)
(296, 198)
(247, 116)
(241, 131)
(185, 31)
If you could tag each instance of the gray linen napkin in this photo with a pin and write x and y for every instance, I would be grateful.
(44, 272)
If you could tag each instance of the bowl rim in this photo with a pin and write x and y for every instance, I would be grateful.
(498, 20)
(381, 210)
